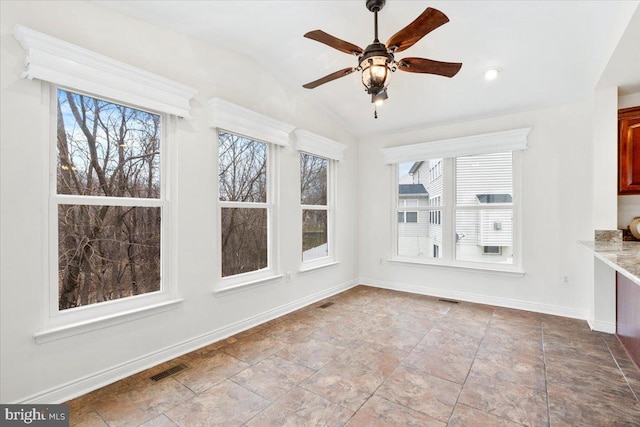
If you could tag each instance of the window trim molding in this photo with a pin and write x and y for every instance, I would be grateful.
(242, 121)
(65, 64)
(495, 142)
(320, 146)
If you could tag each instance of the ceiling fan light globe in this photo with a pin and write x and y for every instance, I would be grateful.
(375, 73)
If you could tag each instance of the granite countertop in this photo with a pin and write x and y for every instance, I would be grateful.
(622, 256)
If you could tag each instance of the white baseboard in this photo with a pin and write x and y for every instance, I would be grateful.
(477, 298)
(102, 378)
(600, 326)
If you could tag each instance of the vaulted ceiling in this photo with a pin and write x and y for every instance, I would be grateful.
(550, 52)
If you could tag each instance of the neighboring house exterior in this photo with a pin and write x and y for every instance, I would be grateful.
(481, 234)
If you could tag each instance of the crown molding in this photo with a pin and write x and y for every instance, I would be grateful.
(495, 142)
(228, 116)
(315, 144)
(65, 64)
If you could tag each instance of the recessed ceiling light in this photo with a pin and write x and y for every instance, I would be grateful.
(491, 73)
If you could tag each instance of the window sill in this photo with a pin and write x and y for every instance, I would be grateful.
(513, 271)
(244, 285)
(306, 269)
(77, 328)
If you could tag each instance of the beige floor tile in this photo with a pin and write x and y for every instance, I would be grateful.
(431, 360)
(225, 404)
(345, 383)
(272, 377)
(300, 407)
(378, 412)
(421, 392)
(466, 416)
(378, 357)
(503, 399)
(312, 353)
(210, 369)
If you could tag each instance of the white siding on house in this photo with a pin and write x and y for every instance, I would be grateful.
(484, 174)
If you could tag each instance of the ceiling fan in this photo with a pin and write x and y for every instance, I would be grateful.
(377, 61)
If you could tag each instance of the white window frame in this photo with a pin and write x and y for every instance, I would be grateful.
(58, 63)
(113, 311)
(513, 140)
(232, 118)
(271, 269)
(319, 146)
(329, 208)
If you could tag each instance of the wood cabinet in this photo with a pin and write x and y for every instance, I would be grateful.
(628, 316)
(629, 151)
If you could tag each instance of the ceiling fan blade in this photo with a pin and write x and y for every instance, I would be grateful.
(429, 66)
(334, 42)
(428, 21)
(330, 77)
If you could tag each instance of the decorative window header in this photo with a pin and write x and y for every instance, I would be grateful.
(510, 140)
(319, 145)
(65, 64)
(242, 121)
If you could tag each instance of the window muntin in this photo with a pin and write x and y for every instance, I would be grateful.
(314, 198)
(108, 201)
(244, 209)
(477, 229)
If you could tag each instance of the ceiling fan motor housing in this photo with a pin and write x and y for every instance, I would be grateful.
(375, 5)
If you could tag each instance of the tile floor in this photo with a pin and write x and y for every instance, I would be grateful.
(383, 358)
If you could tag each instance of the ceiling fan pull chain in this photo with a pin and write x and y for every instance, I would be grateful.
(375, 111)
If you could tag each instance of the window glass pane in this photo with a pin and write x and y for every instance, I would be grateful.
(106, 253)
(244, 240)
(313, 180)
(314, 235)
(485, 235)
(417, 238)
(242, 169)
(106, 149)
(487, 178)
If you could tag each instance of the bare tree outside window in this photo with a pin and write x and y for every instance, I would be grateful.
(243, 199)
(109, 250)
(313, 194)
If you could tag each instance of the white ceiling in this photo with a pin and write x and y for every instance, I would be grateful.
(551, 52)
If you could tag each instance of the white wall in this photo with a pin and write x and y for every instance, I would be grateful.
(60, 369)
(556, 214)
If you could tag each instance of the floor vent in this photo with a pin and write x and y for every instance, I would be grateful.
(452, 301)
(326, 304)
(171, 371)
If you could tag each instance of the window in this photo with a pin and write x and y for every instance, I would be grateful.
(492, 250)
(319, 159)
(481, 218)
(470, 218)
(109, 201)
(407, 216)
(244, 211)
(315, 211)
(484, 207)
(109, 186)
(248, 146)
